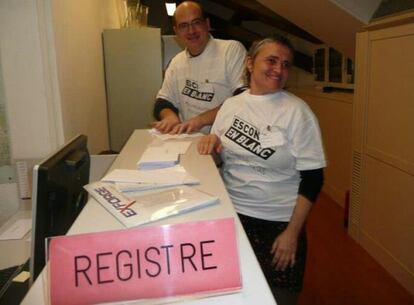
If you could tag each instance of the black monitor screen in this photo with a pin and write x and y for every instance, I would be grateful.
(58, 196)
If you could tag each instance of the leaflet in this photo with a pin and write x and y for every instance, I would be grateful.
(167, 136)
(157, 157)
(162, 154)
(136, 180)
(150, 206)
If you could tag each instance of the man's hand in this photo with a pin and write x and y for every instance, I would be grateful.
(168, 122)
(209, 144)
(197, 122)
(189, 126)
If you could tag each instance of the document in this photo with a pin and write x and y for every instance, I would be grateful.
(166, 176)
(17, 230)
(177, 147)
(157, 157)
(167, 136)
(162, 154)
(22, 277)
(151, 206)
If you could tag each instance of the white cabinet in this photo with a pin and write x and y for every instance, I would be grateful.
(133, 75)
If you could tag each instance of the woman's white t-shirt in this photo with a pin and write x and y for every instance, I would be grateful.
(267, 140)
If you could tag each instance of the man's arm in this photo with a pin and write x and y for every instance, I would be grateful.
(203, 119)
(196, 123)
(166, 114)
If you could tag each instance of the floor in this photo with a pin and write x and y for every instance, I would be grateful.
(339, 271)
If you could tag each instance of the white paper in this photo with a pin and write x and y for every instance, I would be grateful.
(176, 147)
(141, 187)
(161, 154)
(167, 136)
(22, 277)
(17, 230)
(171, 175)
(155, 157)
(147, 207)
(169, 147)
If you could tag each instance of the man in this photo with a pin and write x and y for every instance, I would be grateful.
(198, 79)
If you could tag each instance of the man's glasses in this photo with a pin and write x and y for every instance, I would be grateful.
(196, 24)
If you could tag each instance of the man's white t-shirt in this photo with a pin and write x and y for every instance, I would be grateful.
(197, 84)
(267, 140)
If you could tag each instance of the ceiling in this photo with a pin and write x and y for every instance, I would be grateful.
(243, 19)
(330, 22)
(308, 21)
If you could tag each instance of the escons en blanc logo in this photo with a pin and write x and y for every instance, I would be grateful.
(246, 135)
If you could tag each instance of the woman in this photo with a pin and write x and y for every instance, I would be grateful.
(273, 159)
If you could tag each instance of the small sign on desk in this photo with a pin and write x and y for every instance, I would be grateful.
(197, 258)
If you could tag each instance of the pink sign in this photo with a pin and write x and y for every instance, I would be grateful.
(144, 263)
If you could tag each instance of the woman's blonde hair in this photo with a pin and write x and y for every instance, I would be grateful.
(258, 45)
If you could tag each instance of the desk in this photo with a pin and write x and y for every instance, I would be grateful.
(15, 252)
(94, 218)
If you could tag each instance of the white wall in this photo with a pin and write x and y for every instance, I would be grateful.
(52, 70)
(52, 76)
(34, 125)
(78, 26)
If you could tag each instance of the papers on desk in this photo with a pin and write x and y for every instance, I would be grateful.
(167, 136)
(163, 155)
(17, 230)
(157, 157)
(137, 180)
(22, 277)
(150, 206)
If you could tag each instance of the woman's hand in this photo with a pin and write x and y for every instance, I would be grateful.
(285, 245)
(209, 144)
(284, 250)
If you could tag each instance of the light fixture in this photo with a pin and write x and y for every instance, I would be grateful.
(170, 5)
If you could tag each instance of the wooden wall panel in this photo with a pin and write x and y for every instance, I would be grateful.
(387, 213)
(334, 112)
(384, 140)
(390, 136)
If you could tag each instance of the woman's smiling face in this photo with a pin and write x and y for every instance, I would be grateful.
(269, 70)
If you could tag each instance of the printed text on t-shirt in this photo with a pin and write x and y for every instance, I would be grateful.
(247, 136)
(192, 89)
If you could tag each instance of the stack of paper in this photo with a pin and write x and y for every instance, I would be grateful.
(127, 180)
(147, 207)
(162, 156)
(157, 157)
(167, 136)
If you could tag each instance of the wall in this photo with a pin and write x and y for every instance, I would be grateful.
(78, 26)
(51, 90)
(334, 112)
(34, 122)
(52, 69)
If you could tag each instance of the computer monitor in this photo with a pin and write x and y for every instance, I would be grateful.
(58, 196)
